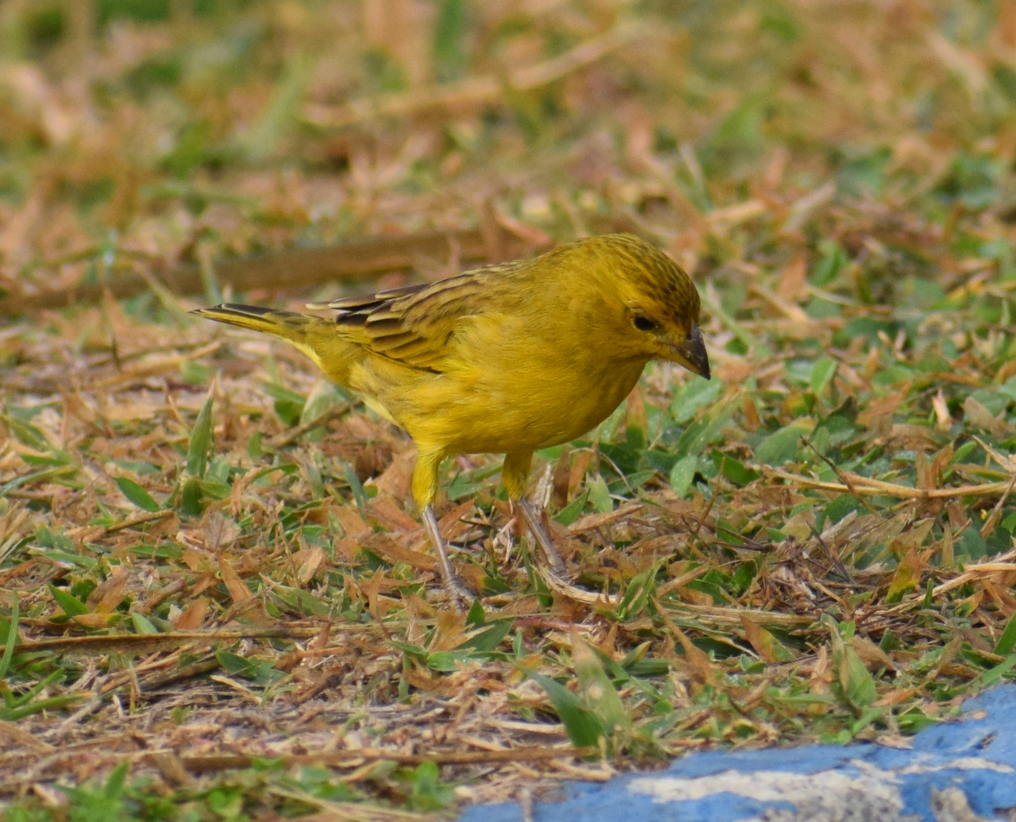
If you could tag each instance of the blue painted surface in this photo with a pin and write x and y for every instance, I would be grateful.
(972, 760)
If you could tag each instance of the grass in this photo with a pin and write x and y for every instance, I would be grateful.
(216, 600)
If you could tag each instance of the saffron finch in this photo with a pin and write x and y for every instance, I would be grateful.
(508, 358)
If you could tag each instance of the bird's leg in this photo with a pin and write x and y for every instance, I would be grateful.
(549, 551)
(424, 491)
(453, 584)
(514, 473)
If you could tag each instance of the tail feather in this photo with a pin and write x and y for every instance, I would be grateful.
(294, 328)
(314, 336)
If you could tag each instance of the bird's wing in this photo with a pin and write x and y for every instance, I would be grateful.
(415, 325)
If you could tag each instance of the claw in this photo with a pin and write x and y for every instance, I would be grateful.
(460, 595)
(564, 586)
(556, 575)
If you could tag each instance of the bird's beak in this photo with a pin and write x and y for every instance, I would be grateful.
(692, 353)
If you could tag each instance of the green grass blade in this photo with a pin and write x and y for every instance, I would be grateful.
(201, 439)
(582, 725)
(12, 636)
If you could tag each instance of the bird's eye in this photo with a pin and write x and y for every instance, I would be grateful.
(643, 323)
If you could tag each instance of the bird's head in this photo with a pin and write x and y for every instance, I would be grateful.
(656, 304)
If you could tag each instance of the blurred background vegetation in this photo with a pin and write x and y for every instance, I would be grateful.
(147, 128)
(798, 540)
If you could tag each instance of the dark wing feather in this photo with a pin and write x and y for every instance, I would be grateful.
(366, 303)
(415, 325)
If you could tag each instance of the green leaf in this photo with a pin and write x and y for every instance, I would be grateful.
(582, 725)
(637, 593)
(354, 485)
(599, 495)
(863, 173)
(682, 474)
(69, 604)
(322, 399)
(697, 394)
(26, 479)
(299, 600)
(136, 494)
(476, 617)
(853, 684)
(857, 683)
(821, 375)
(280, 114)
(289, 412)
(191, 497)
(906, 578)
(212, 489)
(992, 675)
(489, 638)
(143, 625)
(449, 40)
(446, 662)
(597, 691)
(232, 663)
(1008, 388)
(733, 469)
(429, 793)
(254, 449)
(12, 635)
(971, 545)
(767, 644)
(572, 511)
(1007, 641)
(781, 446)
(833, 259)
(117, 779)
(200, 440)
(704, 431)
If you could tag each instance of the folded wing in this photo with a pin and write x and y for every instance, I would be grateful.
(416, 325)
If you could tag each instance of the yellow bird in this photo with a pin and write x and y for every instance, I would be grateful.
(506, 359)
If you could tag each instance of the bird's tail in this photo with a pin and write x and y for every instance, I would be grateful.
(314, 336)
(294, 328)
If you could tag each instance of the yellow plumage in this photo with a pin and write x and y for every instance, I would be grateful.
(505, 359)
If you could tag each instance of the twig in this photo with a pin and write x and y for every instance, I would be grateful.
(872, 487)
(150, 643)
(999, 564)
(207, 764)
(155, 368)
(732, 616)
(140, 519)
(479, 91)
(284, 270)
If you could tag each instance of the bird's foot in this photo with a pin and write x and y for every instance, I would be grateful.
(459, 593)
(554, 572)
(563, 583)
(555, 566)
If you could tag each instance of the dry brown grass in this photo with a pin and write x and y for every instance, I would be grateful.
(214, 573)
